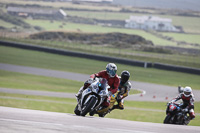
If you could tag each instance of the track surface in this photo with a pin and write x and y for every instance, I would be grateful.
(151, 92)
(14, 120)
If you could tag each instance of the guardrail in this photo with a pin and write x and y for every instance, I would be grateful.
(102, 58)
(176, 68)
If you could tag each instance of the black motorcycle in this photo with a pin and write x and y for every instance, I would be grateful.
(176, 115)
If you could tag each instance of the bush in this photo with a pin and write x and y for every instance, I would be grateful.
(37, 28)
(117, 39)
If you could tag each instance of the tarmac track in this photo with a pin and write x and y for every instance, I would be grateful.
(14, 120)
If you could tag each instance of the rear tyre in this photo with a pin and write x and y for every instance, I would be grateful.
(167, 119)
(102, 115)
(92, 112)
(87, 107)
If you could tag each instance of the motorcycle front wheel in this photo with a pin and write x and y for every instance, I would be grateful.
(167, 119)
(76, 111)
(87, 106)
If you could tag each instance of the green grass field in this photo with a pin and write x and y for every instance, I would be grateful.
(6, 24)
(60, 4)
(74, 27)
(32, 82)
(189, 24)
(190, 38)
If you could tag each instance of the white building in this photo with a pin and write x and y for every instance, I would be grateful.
(150, 22)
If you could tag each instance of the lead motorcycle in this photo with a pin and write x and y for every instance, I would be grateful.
(92, 97)
(176, 115)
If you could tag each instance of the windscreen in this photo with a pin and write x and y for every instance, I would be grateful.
(102, 83)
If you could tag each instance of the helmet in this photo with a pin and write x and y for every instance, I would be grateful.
(180, 89)
(111, 69)
(124, 77)
(187, 91)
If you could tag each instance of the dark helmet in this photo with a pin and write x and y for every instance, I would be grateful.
(124, 77)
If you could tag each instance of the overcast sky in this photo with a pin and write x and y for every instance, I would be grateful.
(179, 4)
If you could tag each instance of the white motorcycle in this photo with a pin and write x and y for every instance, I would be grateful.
(92, 97)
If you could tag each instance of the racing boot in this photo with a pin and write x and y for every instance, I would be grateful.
(121, 106)
(114, 107)
(192, 115)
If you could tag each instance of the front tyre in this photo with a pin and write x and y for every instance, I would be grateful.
(76, 111)
(167, 119)
(87, 107)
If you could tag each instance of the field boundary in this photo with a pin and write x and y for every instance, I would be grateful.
(102, 58)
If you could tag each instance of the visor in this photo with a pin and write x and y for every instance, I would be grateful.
(112, 73)
(187, 93)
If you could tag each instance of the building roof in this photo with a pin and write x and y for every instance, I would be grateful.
(142, 19)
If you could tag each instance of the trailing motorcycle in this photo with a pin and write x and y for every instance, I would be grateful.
(104, 112)
(176, 115)
(92, 97)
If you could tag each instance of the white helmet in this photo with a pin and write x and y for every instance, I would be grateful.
(111, 69)
(187, 91)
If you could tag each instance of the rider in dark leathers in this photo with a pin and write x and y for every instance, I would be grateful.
(123, 90)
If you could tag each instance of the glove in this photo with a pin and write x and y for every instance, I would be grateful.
(90, 81)
(109, 93)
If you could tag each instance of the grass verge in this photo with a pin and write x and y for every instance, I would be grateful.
(32, 82)
(17, 80)
(67, 105)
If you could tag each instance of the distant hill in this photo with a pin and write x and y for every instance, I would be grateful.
(175, 4)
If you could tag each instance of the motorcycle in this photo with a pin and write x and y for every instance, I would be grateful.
(176, 115)
(104, 112)
(92, 97)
